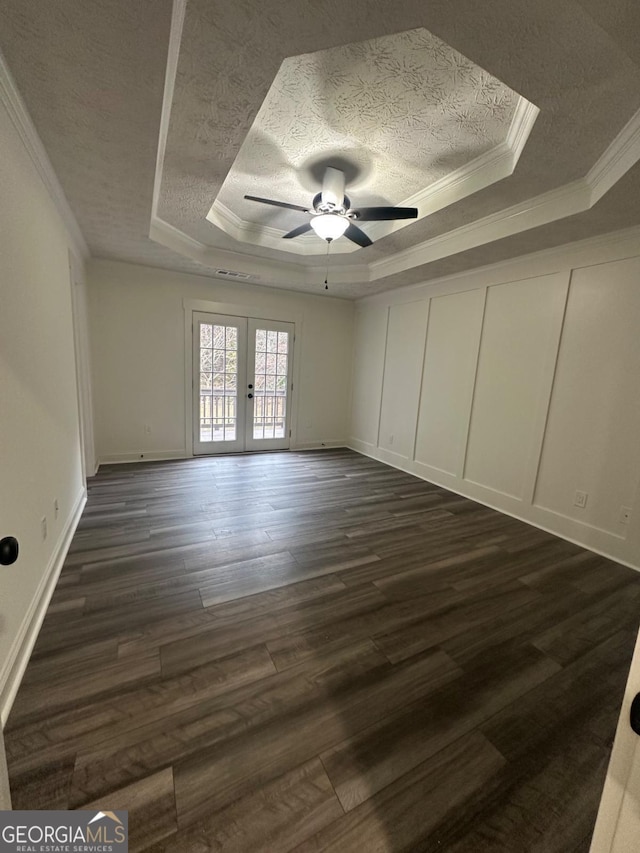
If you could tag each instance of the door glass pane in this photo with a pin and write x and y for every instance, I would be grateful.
(270, 384)
(218, 382)
(206, 332)
(283, 341)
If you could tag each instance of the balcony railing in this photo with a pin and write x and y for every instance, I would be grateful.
(218, 414)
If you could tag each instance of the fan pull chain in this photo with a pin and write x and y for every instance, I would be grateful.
(326, 277)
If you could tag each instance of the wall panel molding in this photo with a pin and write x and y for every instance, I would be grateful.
(535, 306)
(446, 392)
(553, 355)
(402, 375)
(461, 471)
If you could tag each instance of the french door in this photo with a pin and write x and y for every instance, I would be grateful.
(242, 383)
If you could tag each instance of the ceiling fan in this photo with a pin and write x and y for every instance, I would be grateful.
(332, 215)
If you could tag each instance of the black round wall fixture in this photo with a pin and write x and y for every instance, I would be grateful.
(8, 550)
(634, 715)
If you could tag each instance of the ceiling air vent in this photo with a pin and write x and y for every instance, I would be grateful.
(233, 274)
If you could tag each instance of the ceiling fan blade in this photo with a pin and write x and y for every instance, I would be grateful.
(357, 235)
(376, 214)
(301, 229)
(277, 203)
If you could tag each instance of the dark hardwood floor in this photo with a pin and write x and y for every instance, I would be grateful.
(313, 651)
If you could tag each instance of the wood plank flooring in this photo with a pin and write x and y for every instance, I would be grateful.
(315, 652)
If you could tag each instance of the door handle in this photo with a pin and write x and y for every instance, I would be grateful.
(250, 396)
(634, 714)
(8, 550)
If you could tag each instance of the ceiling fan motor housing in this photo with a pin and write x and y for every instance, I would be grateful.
(333, 188)
(321, 206)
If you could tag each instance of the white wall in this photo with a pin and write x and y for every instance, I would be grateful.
(516, 386)
(137, 321)
(39, 428)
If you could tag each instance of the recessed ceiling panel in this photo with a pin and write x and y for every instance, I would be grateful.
(403, 116)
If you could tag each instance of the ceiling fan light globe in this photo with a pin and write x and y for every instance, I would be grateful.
(329, 226)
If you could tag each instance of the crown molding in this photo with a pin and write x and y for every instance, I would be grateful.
(567, 200)
(12, 101)
(175, 37)
(486, 169)
(258, 268)
(615, 245)
(619, 157)
(521, 126)
(555, 204)
(264, 271)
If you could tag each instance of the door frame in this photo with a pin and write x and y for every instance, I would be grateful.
(624, 754)
(253, 444)
(236, 445)
(250, 311)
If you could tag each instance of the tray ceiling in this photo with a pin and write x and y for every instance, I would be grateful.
(400, 115)
(151, 112)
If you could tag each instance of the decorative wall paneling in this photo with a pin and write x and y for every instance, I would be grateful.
(527, 393)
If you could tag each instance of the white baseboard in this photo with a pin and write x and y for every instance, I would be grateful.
(317, 445)
(544, 519)
(167, 455)
(25, 640)
(142, 456)
(364, 447)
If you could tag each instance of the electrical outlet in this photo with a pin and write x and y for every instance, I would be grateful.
(391, 440)
(580, 499)
(43, 527)
(147, 429)
(625, 514)
(56, 508)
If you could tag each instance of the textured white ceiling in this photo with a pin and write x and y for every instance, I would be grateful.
(92, 73)
(401, 111)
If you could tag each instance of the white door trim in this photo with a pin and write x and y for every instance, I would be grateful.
(265, 312)
(623, 755)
